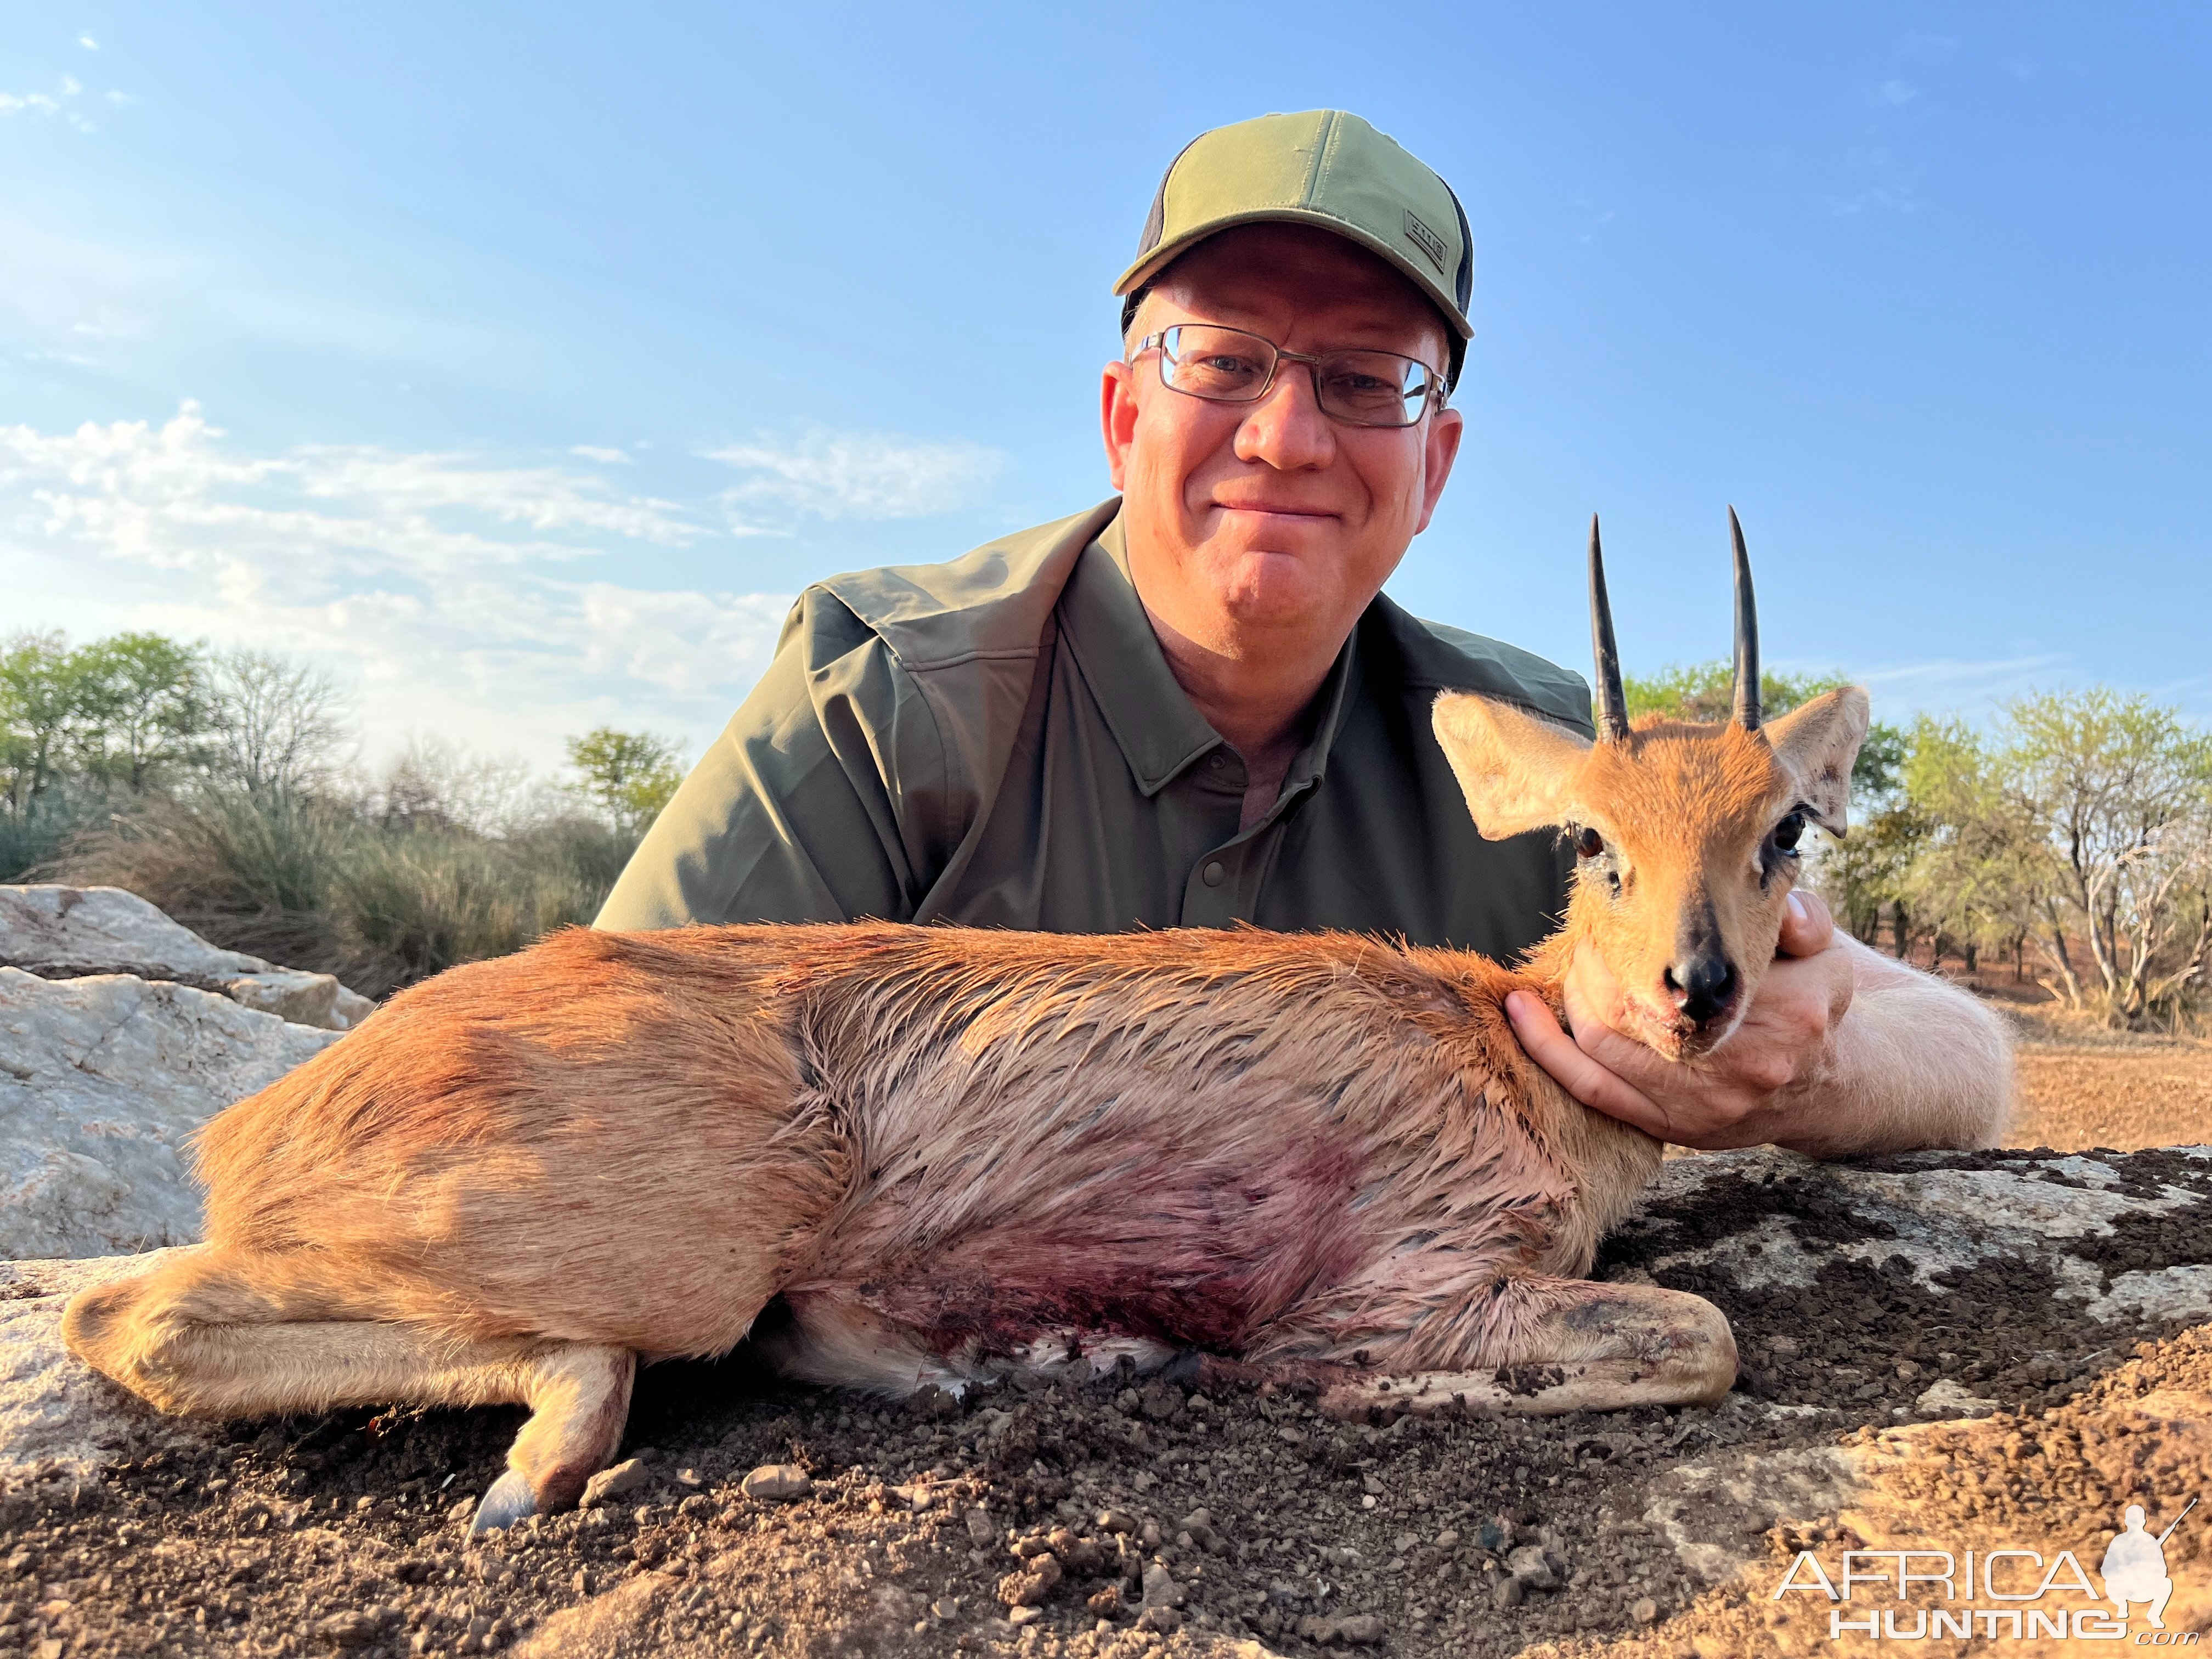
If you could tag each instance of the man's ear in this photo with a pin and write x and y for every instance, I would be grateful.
(1817, 742)
(1514, 768)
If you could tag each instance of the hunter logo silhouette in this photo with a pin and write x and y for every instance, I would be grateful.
(2134, 1568)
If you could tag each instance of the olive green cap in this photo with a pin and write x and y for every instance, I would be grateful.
(1324, 168)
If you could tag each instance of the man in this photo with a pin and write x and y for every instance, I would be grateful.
(1191, 706)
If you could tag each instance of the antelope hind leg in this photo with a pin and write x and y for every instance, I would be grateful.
(228, 1333)
(1589, 1347)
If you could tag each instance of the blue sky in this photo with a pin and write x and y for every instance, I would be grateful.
(517, 364)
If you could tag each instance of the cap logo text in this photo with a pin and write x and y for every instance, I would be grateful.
(1426, 240)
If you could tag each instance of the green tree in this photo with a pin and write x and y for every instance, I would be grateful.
(45, 703)
(1978, 869)
(144, 708)
(629, 776)
(2121, 789)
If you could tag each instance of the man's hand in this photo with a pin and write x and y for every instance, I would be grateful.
(1749, 1091)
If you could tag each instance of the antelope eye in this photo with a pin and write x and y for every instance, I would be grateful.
(1588, 843)
(1787, 832)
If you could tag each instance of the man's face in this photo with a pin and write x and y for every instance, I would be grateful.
(1246, 520)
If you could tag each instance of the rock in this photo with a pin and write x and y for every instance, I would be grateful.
(1160, 1590)
(1077, 1554)
(1508, 1591)
(103, 1080)
(75, 933)
(1031, 1585)
(1645, 1610)
(1361, 1629)
(1160, 1402)
(1106, 1604)
(978, 1523)
(348, 1630)
(1944, 1213)
(1531, 1567)
(1022, 1614)
(1116, 1521)
(1945, 1398)
(1162, 1620)
(56, 1416)
(616, 1482)
(776, 1483)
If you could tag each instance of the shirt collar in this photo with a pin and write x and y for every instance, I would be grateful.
(1159, 729)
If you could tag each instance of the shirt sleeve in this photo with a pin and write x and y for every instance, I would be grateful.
(817, 803)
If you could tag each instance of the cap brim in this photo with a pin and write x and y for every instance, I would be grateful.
(1168, 252)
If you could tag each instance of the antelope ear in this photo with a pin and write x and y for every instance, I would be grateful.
(1515, 768)
(1818, 742)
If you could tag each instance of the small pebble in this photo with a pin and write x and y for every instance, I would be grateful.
(776, 1483)
(1160, 1590)
(616, 1482)
(1645, 1612)
(1529, 1567)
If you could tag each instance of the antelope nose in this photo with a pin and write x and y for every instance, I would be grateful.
(1702, 986)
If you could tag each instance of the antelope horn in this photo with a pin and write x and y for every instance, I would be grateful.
(1747, 633)
(1611, 702)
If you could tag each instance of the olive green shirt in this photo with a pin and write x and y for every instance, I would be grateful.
(999, 742)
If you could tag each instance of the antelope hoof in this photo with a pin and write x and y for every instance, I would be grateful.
(509, 1500)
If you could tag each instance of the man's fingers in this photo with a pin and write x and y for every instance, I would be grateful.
(1597, 1088)
(1808, 927)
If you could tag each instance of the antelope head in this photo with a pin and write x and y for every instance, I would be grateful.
(1686, 836)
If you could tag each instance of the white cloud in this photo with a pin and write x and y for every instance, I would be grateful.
(1895, 94)
(600, 453)
(454, 594)
(88, 43)
(44, 104)
(828, 475)
(32, 103)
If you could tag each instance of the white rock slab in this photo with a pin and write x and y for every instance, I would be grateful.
(102, 1082)
(1943, 1218)
(68, 933)
(58, 1416)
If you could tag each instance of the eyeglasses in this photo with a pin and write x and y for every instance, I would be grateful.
(1229, 366)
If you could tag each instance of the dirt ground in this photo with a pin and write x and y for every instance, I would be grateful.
(2079, 1087)
(1180, 1525)
(2044, 1481)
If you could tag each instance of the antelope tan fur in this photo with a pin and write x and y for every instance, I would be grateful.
(956, 1152)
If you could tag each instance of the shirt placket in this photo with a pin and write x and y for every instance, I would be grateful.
(1223, 885)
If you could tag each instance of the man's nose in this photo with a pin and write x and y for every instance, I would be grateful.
(1286, 429)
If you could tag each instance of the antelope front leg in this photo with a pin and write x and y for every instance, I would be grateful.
(1585, 1347)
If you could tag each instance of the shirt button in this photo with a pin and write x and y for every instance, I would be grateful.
(1216, 762)
(1213, 873)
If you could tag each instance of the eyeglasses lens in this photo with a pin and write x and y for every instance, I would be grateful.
(1362, 388)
